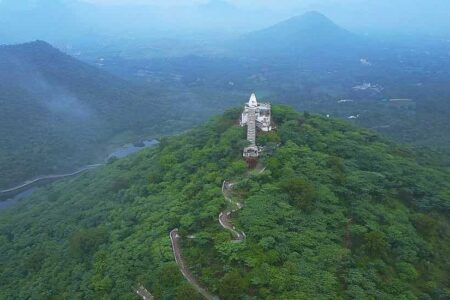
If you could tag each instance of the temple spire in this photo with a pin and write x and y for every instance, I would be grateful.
(253, 102)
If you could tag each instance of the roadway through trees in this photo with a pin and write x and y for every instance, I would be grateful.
(32, 182)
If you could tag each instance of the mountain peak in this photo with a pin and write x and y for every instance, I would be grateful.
(34, 51)
(311, 20)
(37, 44)
(314, 14)
(309, 33)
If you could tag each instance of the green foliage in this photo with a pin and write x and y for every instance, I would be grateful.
(375, 243)
(187, 292)
(86, 241)
(338, 213)
(301, 192)
(232, 286)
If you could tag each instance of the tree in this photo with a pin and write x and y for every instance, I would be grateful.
(375, 243)
(301, 192)
(84, 242)
(232, 286)
(187, 292)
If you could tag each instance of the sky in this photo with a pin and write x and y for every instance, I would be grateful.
(72, 19)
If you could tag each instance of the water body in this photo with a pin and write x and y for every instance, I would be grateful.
(128, 149)
(29, 187)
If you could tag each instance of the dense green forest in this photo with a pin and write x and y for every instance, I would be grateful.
(339, 212)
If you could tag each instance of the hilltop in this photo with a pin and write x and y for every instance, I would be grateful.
(338, 212)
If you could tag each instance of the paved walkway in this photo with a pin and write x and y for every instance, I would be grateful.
(174, 237)
(143, 293)
(225, 216)
(225, 222)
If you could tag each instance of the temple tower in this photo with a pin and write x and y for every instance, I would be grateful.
(251, 126)
(255, 116)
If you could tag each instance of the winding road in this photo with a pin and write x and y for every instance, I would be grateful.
(28, 183)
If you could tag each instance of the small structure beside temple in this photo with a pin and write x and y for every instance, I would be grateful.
(257, 116)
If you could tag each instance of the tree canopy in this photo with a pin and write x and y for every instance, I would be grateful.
(339, 212)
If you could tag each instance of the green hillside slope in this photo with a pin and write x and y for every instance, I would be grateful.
(338, 213)
(58, 113)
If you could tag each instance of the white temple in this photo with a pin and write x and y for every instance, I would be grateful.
(262, 112)
(255, 115)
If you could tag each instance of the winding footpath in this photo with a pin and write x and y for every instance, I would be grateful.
(142, 292)
(225, 222)
(174, 237)
(225, 216)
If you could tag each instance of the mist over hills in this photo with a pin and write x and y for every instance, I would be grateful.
(58, 113)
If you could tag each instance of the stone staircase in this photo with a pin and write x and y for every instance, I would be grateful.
(251, 126)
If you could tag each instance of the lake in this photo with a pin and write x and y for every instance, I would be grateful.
(128, 149)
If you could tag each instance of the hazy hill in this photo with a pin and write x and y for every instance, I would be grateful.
(339, 213)
(308, 35)
(57, 112)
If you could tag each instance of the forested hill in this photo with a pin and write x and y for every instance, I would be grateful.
(57, 113)
(339, 213)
